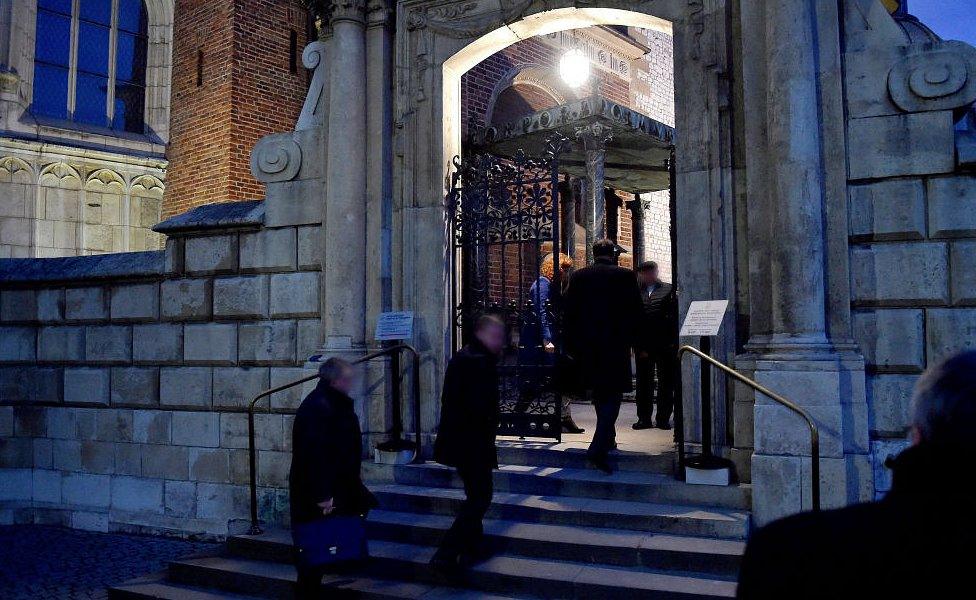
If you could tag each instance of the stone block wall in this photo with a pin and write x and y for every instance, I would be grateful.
(123, 391)
(913, 259)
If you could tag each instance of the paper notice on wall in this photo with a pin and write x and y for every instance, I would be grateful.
(704, 318)
(394, 326)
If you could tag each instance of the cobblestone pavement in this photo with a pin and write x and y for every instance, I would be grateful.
(39, 562)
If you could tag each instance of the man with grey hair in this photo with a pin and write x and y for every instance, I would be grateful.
(915, 543)
(327, 449)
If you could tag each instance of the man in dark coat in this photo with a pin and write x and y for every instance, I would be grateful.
(915, 543)
(466, 438)
(327, 448)
(658, 348)
(602, 310)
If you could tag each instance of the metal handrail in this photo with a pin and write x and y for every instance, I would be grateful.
(814, 432)
(397, 418)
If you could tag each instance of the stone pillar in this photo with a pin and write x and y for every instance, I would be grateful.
(344, 239)
(595, 138)
(379, 156)
(567, 218)
(636, 207)
(796, 357)
(379, 203)
(588, 225)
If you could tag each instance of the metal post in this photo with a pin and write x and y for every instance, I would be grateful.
(706, 399)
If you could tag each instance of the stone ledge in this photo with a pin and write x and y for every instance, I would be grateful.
(223, 215)
(87, 268)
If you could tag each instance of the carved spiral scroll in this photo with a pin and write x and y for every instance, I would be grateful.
(943, 78)
(276, 158)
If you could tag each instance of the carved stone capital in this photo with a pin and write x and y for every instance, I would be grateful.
(594, 136)
(378, 12)
(348, 10)
(276, 157)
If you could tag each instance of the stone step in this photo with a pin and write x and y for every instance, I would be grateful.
(590, 545)
(528, 577)
(157, 587)
(586, 483)
(675, 519)
(573, 456)
(265, 579)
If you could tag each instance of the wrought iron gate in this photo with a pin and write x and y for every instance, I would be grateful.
(505, 218)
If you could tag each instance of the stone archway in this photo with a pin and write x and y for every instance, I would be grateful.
(761, 218)
(440, 41)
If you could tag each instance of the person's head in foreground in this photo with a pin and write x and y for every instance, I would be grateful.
(490, 331)
(604, 249)
(338, 374)
(944, 405)
(647, 273)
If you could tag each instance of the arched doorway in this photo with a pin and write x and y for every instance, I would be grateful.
(445, 41)
(761, 219)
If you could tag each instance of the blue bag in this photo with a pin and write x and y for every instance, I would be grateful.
(330, 540)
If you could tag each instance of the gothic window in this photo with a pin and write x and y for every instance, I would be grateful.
(90, 62)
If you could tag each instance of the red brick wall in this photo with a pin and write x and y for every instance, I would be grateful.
(247, 91)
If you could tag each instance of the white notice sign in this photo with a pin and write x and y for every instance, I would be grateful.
(394, 326)
(704, 318)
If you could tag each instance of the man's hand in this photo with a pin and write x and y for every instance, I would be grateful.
(327, 507)
(550, 347)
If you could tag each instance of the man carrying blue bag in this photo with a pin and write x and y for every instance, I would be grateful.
(329, 501)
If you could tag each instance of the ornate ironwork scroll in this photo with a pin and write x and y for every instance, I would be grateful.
(505, 220)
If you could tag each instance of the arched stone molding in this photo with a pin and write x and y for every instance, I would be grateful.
(105, 181)
(60, 175)
(533, 75)
(159, 66)
(15, 170)
(147, 186)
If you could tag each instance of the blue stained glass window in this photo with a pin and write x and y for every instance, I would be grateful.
(93, 48)
(96, 11)
(130, 58)
(91, 92)
(61, 6)
(92, 27)
(132, 16)
(53, 38)
(51, 91)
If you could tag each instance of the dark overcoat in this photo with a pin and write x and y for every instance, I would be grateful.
(327, 448)
(660, 323)
(469, 410)
(917, 542)
(602, 319)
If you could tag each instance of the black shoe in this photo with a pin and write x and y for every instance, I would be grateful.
(664, 426)
(570, 426)
(641, 424)
(601, 463)
(448, 566)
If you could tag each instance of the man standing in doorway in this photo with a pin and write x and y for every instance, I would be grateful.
(466, 439)
(658, 348)
(603, 306)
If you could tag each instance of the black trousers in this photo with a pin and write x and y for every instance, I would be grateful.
(607, 410)
(465, 535)
(661, 362)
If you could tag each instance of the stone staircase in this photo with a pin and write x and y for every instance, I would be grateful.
(558, 530)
